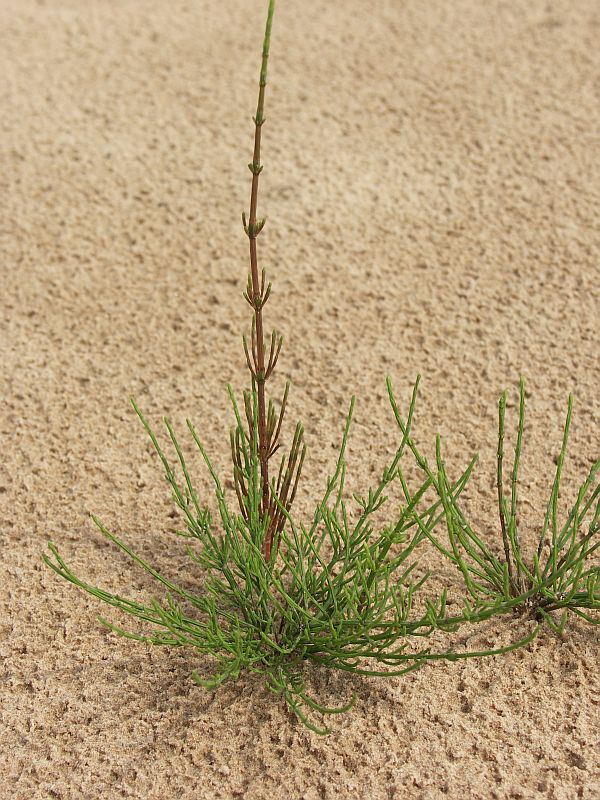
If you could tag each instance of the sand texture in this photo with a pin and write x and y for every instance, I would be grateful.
(431, 182)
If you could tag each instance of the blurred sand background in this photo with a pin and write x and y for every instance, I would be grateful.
(432, 187)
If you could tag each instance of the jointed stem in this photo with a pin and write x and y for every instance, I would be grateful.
(256, 293)
(260, 367)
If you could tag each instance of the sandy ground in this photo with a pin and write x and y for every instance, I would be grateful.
(431, 182)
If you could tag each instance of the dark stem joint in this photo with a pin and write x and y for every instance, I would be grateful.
(252, 229)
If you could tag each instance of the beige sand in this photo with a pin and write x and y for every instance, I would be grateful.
(431, 182)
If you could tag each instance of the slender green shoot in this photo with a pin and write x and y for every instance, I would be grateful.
(561, 578)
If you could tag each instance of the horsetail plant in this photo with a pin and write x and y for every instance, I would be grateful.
(560, 578)
(340, 590)
(339, 594)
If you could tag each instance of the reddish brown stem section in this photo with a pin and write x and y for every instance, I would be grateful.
(260, 374)
(258, 298)
(277, 500)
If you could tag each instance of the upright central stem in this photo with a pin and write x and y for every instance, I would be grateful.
(253, 230)
(264, 424)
